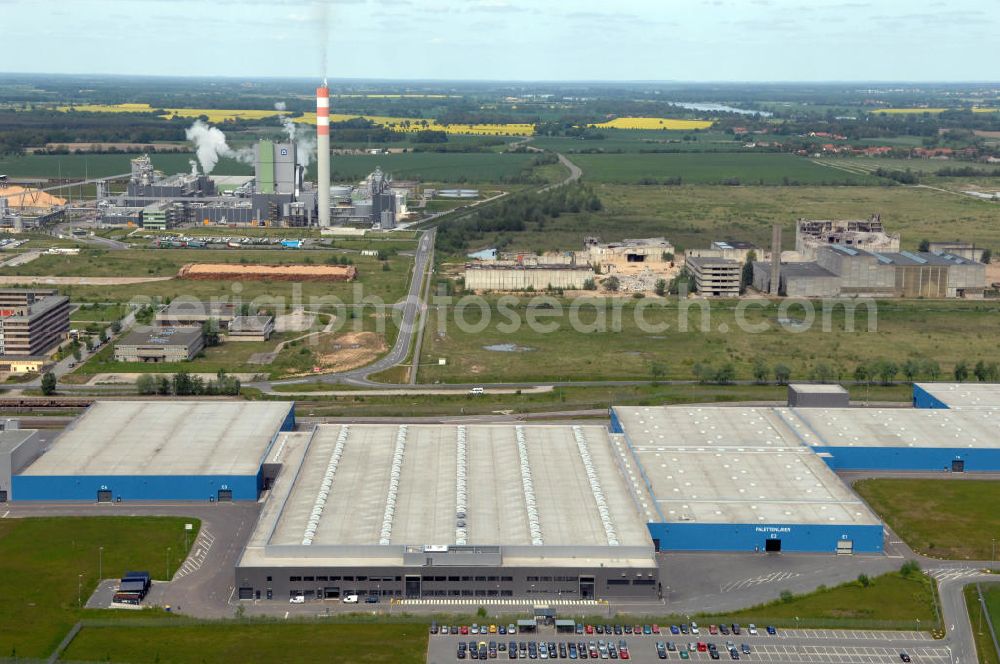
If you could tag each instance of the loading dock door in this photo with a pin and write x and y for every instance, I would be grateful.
(845, 547)
(772, 545)
(331, 593)
(225, 495)
(958, 466)
(246, 593)
(412, 586)
(104, 496)
(3, 496)
(587, 586)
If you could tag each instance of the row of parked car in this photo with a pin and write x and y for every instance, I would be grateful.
(474, 628)
(544, 650)
(684, 628)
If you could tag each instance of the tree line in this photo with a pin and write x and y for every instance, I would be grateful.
(184, 384)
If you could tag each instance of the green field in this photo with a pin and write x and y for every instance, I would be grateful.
(373, 281)
(46, 559)
(713, 168)
(635, 141)
(263, 643)
(577, 349)
(695, 215)
(980, 629)
(98, 313)
(953, 519)
(892, 601)
(427, 166)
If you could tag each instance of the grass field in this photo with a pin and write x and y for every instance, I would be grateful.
(98, 313)
(892, 600)
(712, 168)
(372, 281)
(253, 643)
(620, 140)
(984, 642)
(695, 215)
(45, 559)
(940, 518)
(576, 348)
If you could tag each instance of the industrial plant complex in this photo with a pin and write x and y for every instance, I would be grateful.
(509, 510)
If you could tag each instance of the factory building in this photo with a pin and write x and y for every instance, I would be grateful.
(611, 257)
(120, 451)
(739, 479)
(146, 184)
(18, 448)
(956, 396)
(160, 344)
(841, 271)
(867, 234)
(159, 216)
(734, 250)
(440, 511)
(32, 322)
(496, 277)
(715, 277)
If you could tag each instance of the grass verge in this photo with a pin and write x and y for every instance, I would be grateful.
(941, 518)
(48, 563)
(980, 631)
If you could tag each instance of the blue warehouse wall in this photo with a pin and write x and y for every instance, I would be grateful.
(616, 425)
(922, 399)
(795, 538)
(909, 458)
(134, 487)
(289, 423)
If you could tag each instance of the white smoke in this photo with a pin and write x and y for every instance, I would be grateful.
(210, 146)
(280, 106)
(305, 143)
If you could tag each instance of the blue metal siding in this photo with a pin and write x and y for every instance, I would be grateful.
(134, 487)
(289, 423)
(922, 399)
(909, 458)
(795, 538)
(616, 425)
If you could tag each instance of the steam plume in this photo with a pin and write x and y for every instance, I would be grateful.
(210, 146)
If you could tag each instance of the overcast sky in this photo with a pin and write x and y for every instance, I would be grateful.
(684, 40)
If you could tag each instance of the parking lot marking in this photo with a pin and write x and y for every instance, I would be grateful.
(773, 577)
(202, 545)
(5, 514)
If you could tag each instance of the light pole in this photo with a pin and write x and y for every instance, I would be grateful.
(100, 563)
(79, 590)
(168, 564)
(993, 557)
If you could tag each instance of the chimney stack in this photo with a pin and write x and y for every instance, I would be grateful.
(775, 259)
(323, 154)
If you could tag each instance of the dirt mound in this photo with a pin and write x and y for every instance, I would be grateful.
(221, 271)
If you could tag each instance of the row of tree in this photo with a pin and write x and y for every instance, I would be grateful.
(184, 384)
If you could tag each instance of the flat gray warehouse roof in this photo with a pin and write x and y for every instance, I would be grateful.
(711, 426)
(165, 438)
(895, 427)
(964, 395)
(413, 498)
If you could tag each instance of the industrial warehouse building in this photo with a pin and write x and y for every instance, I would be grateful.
(154, 450)
(715, 277)
(449, 511)
(841, 271)
(490, 276)
(740, 479)
(160, 344)
(544, 512)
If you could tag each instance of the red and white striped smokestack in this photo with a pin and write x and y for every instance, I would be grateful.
(323, 153)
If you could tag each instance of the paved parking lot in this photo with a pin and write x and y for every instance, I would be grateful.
(791, 647)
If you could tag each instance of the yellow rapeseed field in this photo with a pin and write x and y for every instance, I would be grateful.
(909, 111)
(655, 123)
(406, 125)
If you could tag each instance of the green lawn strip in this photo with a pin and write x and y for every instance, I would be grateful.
(939, 518)
(891, 601)
(46, 561)
(560, 399)
(265, 643)
(980, 630)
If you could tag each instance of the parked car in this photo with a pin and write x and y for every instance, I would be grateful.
(350, 599)
(297, 599)
(771, 630)
(371, 599)
(903, 656)
(752, 629)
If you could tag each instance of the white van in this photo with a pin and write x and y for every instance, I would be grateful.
(477, 391)
(297, 599)
(350, 599)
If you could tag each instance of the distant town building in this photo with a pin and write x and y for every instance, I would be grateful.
(495, 277)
